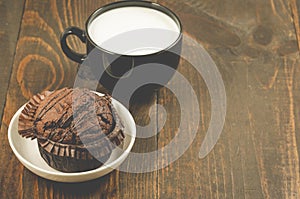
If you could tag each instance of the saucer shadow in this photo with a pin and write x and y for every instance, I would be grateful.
(84, 189)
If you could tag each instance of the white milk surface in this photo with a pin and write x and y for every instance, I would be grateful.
(133, 30)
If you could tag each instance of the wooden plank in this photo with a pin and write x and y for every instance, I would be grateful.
(132, 182)
(40, 65)
(211, 177)
(9, 31)
(254, 45)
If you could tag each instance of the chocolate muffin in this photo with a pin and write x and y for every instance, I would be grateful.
(76, 129)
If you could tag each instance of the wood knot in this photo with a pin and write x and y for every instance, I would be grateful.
(263, 35)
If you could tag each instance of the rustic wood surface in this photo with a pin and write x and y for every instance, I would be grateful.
(255, 44)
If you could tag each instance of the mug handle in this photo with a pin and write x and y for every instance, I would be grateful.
(77, 57)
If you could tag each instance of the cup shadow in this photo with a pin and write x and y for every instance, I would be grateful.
(140, 102)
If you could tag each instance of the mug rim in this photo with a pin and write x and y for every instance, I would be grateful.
(137, 3)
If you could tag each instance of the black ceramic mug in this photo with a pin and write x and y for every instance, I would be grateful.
(125, 34)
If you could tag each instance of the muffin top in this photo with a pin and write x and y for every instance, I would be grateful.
(72, 117)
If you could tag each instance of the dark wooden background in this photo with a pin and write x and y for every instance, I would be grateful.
(255, 44)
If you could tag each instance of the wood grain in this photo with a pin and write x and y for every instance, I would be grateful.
(9, 32)
(40, 65)
(255, 45)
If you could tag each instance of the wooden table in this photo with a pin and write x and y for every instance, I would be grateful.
(255, 45)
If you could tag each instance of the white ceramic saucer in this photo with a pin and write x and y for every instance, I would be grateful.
(26, 150)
